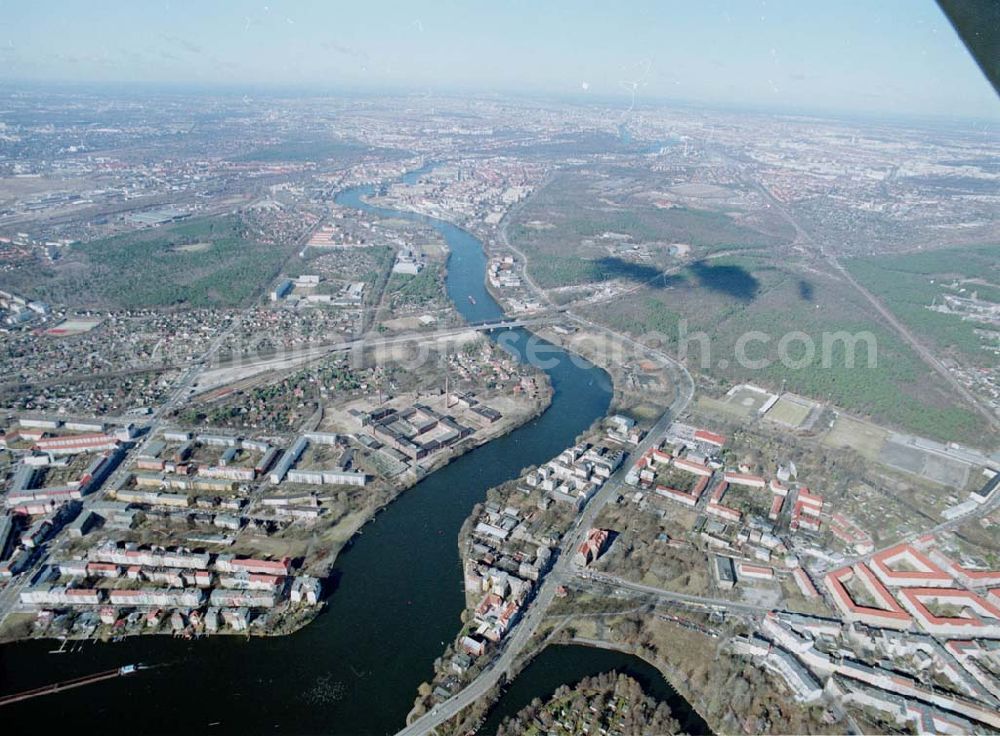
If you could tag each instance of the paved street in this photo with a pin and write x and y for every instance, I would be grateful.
(562, 570)
(667, 596)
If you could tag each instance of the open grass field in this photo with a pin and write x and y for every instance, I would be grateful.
(708, 405)
(747, 398)
(740, 402)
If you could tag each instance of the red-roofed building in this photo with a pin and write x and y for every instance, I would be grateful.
(716, 508)
(591, 547)
(270, 567)
(711, 438)
(805, 513)
(692, 467)
(723, 512)
(261, 581)
(674, 495)
(889, 614)
(776, 504)
(965, 575)
(744, 479)
(719, 492)
(919, 571)
(805, 583)
(69, 444)
(103, 570)
(979, 617)
(699, 487)
(757, 572)
(48, 499)
(686, 498)
(812, 503)
(659, 457)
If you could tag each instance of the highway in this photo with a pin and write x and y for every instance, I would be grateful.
(563, 569)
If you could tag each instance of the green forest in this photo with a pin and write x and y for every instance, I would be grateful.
(908, 284)
(198, 263)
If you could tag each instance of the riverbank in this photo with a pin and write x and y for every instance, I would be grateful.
(576, 659)
(689, 649)
(330, 539)
(395, 592)
(347, 532)
(565, 661)
(662, 384)
(644, 380)
(625, 627)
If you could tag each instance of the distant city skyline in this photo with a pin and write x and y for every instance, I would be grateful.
(899, 56)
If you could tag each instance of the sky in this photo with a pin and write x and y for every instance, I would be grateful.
(889, 56)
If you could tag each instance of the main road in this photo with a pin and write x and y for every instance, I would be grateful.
(664, 595)
(179, 392)
(562, 570)
(9, 594)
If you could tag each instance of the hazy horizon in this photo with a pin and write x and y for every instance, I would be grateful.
(901, 58)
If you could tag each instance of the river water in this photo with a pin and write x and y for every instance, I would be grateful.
(561, 664)
(394, 597)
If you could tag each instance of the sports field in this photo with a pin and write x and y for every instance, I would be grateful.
(790, 411)
(741, 401)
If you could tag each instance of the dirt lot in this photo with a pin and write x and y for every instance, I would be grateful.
(863, 437)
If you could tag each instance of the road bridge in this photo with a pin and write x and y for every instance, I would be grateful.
(503, 665)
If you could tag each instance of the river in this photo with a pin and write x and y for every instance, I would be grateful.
(393, 601)
(567, 664)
